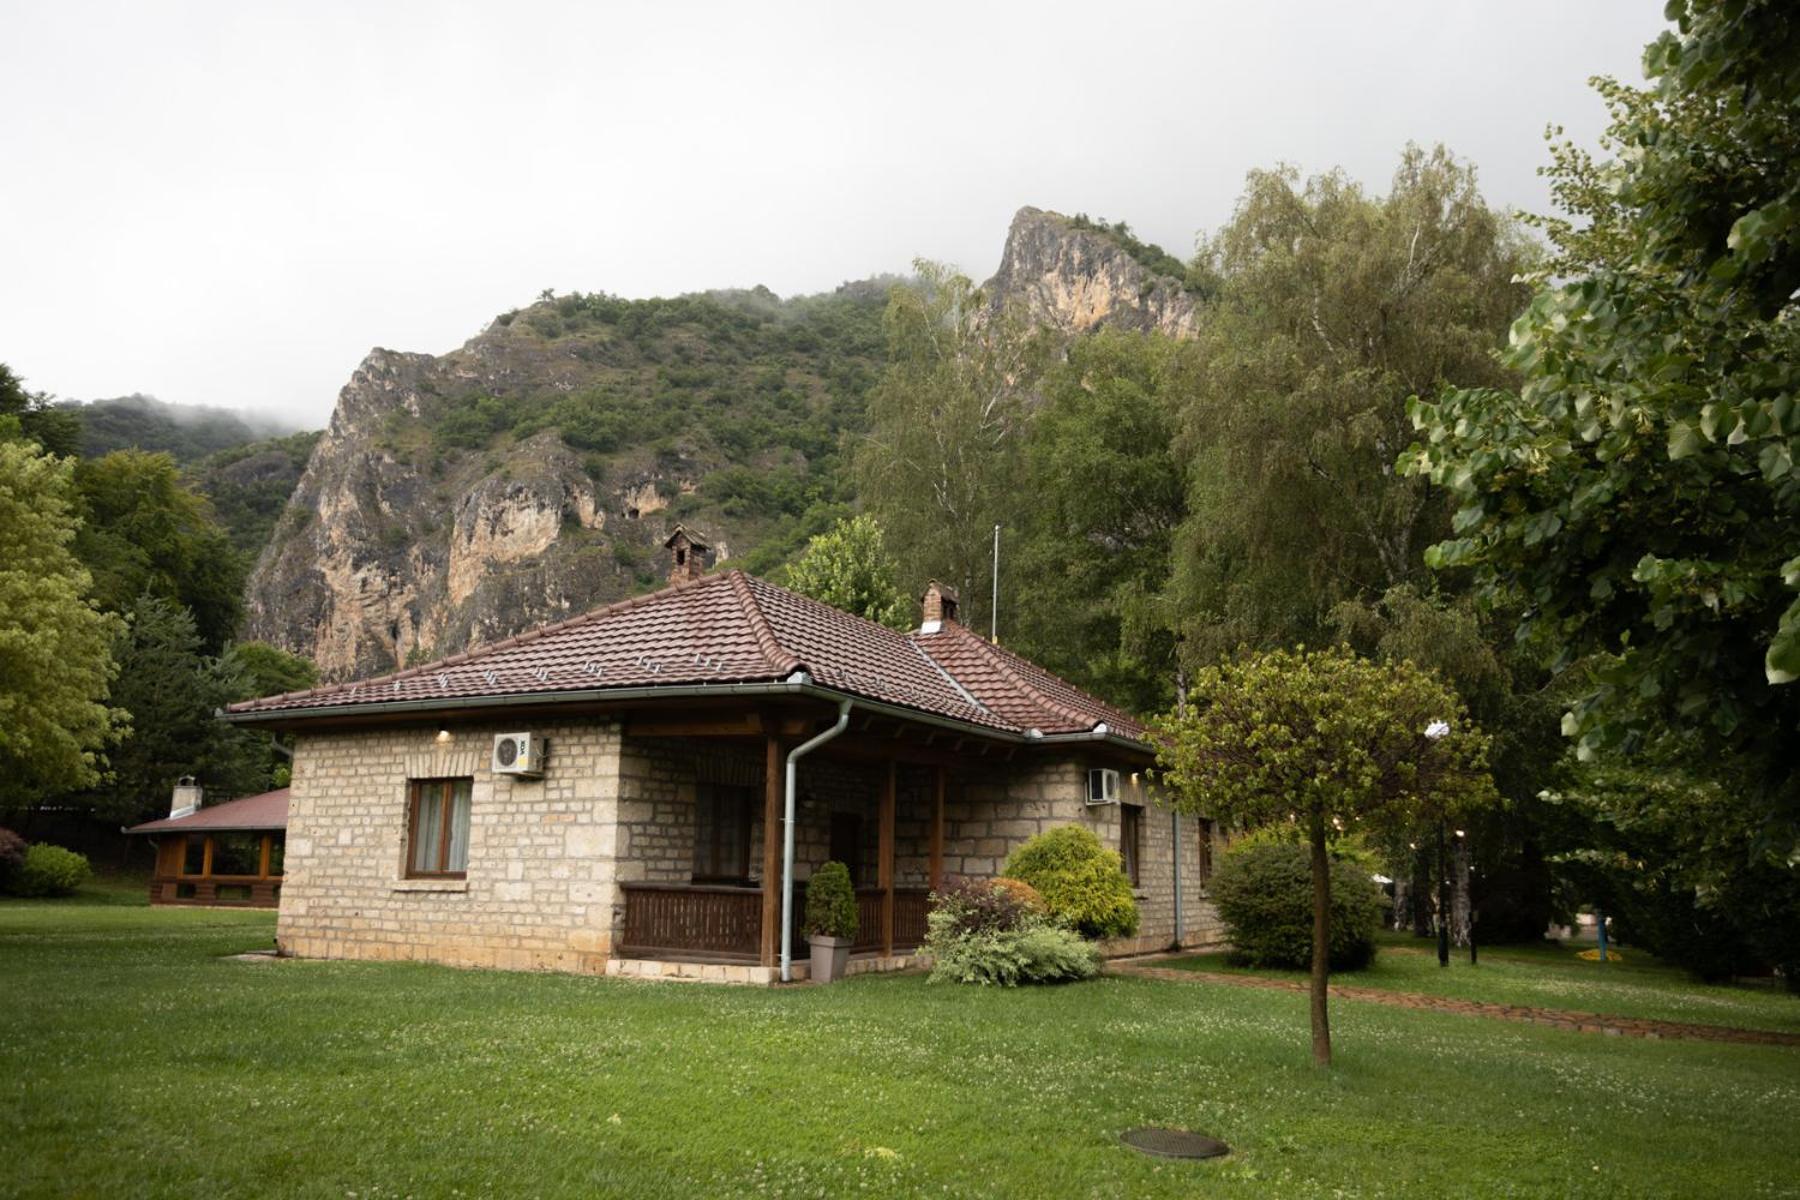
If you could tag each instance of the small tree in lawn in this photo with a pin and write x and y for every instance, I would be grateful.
(1328, 739)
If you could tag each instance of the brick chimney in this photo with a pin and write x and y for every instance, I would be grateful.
(939, 606)
(687, 555)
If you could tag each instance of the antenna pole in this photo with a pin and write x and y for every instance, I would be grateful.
(994, 608)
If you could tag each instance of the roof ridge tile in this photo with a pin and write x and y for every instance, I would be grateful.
(781, 660)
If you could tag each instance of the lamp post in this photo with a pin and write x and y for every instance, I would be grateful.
(1433, 732)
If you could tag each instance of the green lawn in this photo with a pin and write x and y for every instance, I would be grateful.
(1632, 984)
(135, 1061)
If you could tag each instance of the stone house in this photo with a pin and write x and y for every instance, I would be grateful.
(597, 795)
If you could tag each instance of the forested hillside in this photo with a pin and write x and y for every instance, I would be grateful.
(187, 432)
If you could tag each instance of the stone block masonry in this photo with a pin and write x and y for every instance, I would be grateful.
(540, 888)
(546, 857)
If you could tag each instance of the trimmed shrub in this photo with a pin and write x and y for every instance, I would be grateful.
(831, 902)
(12, 856)
(1083, 883)
(987, 905)
(1040, 951)
(50, 871)
(1263, 890)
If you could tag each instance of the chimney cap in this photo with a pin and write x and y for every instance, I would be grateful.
(683, 532)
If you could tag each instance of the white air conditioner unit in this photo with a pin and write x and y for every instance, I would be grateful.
(520, 755)
(1103, 786)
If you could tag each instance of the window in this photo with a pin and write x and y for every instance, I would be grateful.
(438, 828)
(193, 855)
(1205, 827)
(237, 854)
(847, 842)
(1131, 839)
(722, 833)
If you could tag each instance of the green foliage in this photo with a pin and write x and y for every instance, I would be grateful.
(1263, 891)
(50, 871)
(1083, 883)
(250, 485)
(940, 465)
(32, 417)
(1096, 541)
(987, 905)
(145, 532)
(1037, 951)
(831, 902)
(171, 688)
(1338, 739)
(1332, 741)
(1673, 855)
(55, 647)
(848, 567)
(185, 432)
(259, 669)
(1334, 308)
(1636, 497)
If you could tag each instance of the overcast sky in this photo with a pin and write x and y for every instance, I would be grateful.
(231, 203)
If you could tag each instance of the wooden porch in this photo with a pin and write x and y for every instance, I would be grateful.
(735, 922)
(723, 923)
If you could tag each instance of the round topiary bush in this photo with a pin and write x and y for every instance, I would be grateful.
(831, 902)
(1263, 891)
(1083, 883)
(50, 871)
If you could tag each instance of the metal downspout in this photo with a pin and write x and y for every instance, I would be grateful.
(787, 838)
(1175, 825)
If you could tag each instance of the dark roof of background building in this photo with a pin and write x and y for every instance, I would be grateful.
(268, 811)
(731, 627)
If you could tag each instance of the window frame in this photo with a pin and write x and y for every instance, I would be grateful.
(415, 791)
(1131, 842)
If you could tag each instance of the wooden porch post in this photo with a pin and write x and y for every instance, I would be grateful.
(885, 871)
(937, 830)
(771, 857)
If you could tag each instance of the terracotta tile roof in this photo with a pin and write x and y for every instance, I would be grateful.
(267, 811)
(735, 628)
(1017, 689)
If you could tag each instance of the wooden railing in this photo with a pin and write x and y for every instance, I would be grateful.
(726, 922)
(692, 919)
(251, 891)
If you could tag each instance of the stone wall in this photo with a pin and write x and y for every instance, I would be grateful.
(539, 891)
(992, 812)
(546, 856)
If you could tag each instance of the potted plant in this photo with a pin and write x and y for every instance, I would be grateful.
(830, 920)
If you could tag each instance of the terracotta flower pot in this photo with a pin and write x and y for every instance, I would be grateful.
(830, 958)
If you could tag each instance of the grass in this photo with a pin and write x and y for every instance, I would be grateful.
(1632, 984)
(136, 1061)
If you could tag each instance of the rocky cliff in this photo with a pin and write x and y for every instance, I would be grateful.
(1075, 276)
(535, 471)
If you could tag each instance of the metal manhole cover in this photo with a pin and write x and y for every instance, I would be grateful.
(1174, 1143)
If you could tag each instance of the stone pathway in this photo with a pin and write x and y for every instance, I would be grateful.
(1557, 1018)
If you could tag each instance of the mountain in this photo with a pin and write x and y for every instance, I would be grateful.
(188, 432)
(1075, 275)
(534, 472)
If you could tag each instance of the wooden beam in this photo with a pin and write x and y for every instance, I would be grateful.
(937, 828)
(773, 797)
(885, 871)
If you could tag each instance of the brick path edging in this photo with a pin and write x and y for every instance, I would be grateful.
(1556, 1018)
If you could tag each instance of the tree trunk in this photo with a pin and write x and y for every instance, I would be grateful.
(1402, 904)
(1461, 909)
(1321, 947)
(1421, 889)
